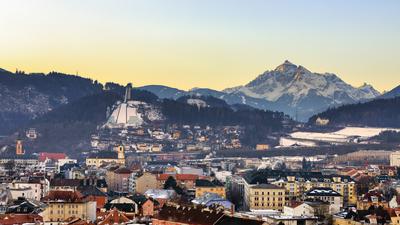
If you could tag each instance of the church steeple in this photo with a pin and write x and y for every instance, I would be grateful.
(18, 148)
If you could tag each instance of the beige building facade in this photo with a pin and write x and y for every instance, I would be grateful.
(264, 196)
(145, 182)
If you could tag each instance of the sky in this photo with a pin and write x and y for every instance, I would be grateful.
(203, 43)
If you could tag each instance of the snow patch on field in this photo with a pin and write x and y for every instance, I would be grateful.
(287, 142)
(344, 135)
(197, 102)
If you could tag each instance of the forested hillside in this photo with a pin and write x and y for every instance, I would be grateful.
(376, 113)
(24, 97)
(68, 128)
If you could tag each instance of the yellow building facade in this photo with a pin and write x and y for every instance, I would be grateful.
(296, 187)
(206, 186)
(62, 205)
(200, 191)
(265, 196)
(116, 157)
(343, 221)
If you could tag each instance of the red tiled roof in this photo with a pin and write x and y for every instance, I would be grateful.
(66, 196)
(65, 182)
(187, 215)
(11, 219)
(77, 221)
(386, 167)
(393, 212)
(49, 155)
(123, 170)
(379, 195)
(114, 217)
(294, 204)
(352, 172)
(347, 169)
(180, 177)
(187, 177)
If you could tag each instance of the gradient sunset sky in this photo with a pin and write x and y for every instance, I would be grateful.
(203, 43)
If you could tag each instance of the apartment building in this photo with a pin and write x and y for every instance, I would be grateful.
(62, 205)
(264, 196)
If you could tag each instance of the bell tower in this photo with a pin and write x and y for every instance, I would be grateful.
(121, 152)
(18, 148)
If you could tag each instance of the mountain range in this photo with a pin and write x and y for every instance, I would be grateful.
(288, 88)
(66, 109)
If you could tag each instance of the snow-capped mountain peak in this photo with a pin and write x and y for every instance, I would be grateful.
(286, 67)
(296, 87)
(369, 90)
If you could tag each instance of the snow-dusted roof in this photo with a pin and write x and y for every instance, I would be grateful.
(322, 192)
(160, 193)
(209, 199)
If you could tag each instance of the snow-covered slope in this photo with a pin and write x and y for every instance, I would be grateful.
(296, 90)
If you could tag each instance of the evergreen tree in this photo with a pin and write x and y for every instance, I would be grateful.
(170, 183)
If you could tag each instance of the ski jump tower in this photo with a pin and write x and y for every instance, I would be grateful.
(128, 91)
